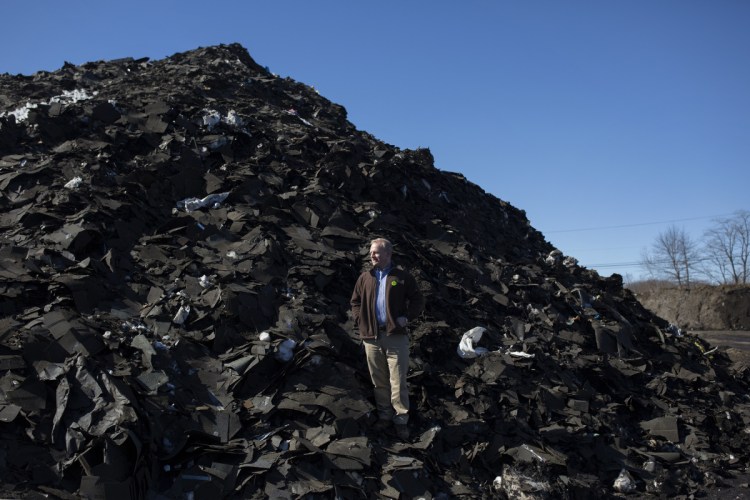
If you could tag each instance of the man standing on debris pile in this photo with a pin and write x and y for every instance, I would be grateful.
(384, 300)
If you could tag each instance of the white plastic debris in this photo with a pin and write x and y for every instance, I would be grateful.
(520, 354)
(293, 112)
(74, 183)
(675, 330)
(624, 482)
(286, 350)
(181, 315)
(466, 348)
(72, 96)
(212, 200)
(234, 119)
(211, 118)
(21, 113)
(512, 483)
(68, 96)
(264, 336)
(129, 326)
(498, 483)
(204, 281)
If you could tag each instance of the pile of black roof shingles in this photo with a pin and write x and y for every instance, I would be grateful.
(178, 244)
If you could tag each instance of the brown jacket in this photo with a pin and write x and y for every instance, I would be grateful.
(402, 298)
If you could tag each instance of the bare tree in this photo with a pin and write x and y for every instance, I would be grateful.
(673, 256)
(727, 249)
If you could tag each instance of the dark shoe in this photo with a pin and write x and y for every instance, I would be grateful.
(402, 431)
(381, 425)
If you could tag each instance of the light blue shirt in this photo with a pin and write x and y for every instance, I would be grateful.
(380, 307)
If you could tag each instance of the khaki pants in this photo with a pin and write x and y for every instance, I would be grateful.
(388, 362)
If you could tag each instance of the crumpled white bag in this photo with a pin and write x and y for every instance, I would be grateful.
(624, 482)
(181, 315)
(470, 339)
(74, 183)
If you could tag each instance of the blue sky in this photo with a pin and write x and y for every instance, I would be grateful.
(606, 121)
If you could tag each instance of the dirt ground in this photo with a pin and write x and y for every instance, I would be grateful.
(713, 308)
(736, 342)
(737, 339)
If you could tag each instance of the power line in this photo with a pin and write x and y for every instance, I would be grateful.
(634, 225)
(641, 264)
(621, 264)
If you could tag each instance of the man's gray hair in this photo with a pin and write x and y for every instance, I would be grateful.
(387, 245)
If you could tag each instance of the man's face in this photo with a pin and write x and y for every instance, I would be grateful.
(379, 256)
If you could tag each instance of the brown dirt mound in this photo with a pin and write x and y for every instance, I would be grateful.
(701, 307)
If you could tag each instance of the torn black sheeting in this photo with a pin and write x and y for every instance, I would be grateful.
(665, 427)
